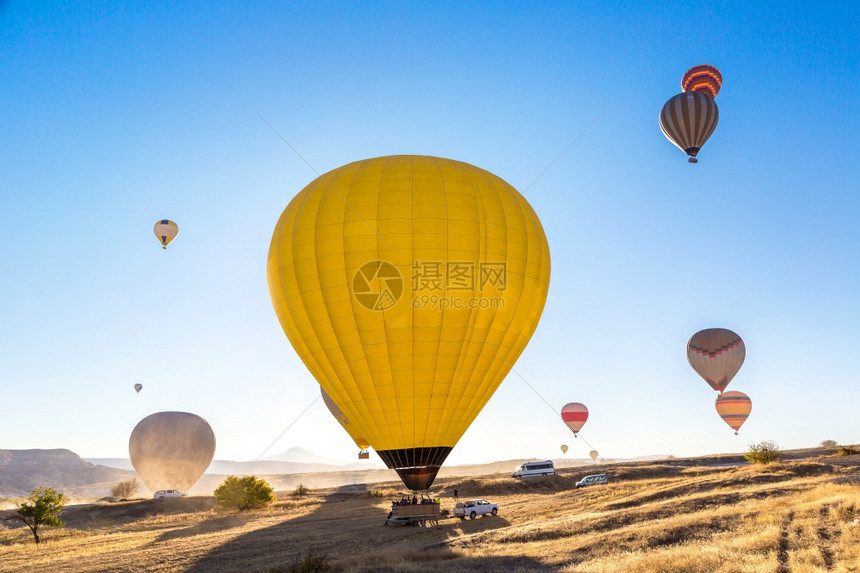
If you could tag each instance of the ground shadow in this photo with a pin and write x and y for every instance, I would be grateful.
(347, 529)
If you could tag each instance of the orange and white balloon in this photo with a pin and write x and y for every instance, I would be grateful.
(734, 408)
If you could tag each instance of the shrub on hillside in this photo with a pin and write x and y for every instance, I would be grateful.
(828, 444)
(763, 452)
(300, 491)
(243, 493)
(125, 489)
(845, 451)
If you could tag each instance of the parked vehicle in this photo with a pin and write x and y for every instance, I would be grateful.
(472, 508)
(596, 479)
(169, 493)
(528, 469)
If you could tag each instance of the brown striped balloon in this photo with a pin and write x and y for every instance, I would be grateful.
(734, 408)
(688, 120)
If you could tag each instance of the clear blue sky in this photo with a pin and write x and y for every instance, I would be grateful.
(115, 115)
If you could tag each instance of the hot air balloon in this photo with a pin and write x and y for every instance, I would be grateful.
(574, 415)
(138, 387)
(688, 120)
(564, 448)
(716, 354)
(166, 231)
(171, 450)
(341, 418)
(409, 285)
(593, 454)
(734, 408)
(703, 78)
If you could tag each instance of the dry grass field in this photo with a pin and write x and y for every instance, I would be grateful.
(687, 515)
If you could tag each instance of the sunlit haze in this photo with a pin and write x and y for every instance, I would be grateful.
(215, 114)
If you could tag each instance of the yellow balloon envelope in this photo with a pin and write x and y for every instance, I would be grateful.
(171, 450)
(593, 454)
(409, 285)
(165, 230)
(344, 421)
(564, 448)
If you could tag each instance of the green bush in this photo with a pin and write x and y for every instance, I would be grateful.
(125, 489)
(301, 491)
(43, 507)
(845, 451)
(244, 493)
(762, 452)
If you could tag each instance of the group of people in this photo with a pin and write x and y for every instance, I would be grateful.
(406, 500)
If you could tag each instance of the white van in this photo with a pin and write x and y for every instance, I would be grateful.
(597, 479)
(528, 469)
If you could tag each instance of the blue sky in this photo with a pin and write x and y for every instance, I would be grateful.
(115, 116)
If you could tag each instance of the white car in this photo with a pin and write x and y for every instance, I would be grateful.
(169, 493)
(472, 508)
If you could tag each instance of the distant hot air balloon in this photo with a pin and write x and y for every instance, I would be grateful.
(734, 408)
(138, 387)
(166, 231)
(564, 448)
(688, 120)
(703, 78)
(356, 266)
(171, 450)
(574, 415)
(341, 418)
(593, 454)
(716, 354)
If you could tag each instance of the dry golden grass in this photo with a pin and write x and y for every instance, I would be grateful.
(675, 516)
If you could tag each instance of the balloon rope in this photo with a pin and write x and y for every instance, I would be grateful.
(328, 183)
(288, 427)
(554, 410)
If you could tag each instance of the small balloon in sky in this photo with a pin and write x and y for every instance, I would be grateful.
(564, 448)
(716, 354)
(734, 408)
(165, 230)
(138, 387)
(575, 416)
(690, 118)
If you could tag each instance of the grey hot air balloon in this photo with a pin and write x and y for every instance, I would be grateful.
(716, 354)
(138, 387)
(171, 450)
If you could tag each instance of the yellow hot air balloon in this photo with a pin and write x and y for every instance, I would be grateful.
(593, 454)
(564, 448)
(341, 418)
(734, 408)
(165, 230)
(716, 354)
(409, 285)
(171, 450)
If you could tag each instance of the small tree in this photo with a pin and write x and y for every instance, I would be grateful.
(244, 493)
(125, 489)
(301, 490)
(828, 444)
(43, 507)
(762, 452)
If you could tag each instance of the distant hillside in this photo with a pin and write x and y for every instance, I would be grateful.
(23, 470)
